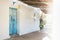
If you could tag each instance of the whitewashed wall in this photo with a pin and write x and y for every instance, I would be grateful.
(26, 23)
(4, 19)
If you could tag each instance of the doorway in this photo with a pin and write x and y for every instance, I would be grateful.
(12, 21)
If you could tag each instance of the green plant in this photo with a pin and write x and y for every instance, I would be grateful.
(42, 23)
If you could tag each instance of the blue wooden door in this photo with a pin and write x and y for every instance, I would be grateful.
(12, 21)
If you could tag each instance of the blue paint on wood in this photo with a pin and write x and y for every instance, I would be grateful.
(12, 21)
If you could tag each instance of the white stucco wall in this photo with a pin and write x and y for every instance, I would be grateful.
(4, 19)
(26, 23)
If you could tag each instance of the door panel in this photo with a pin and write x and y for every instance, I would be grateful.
(12, 21)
